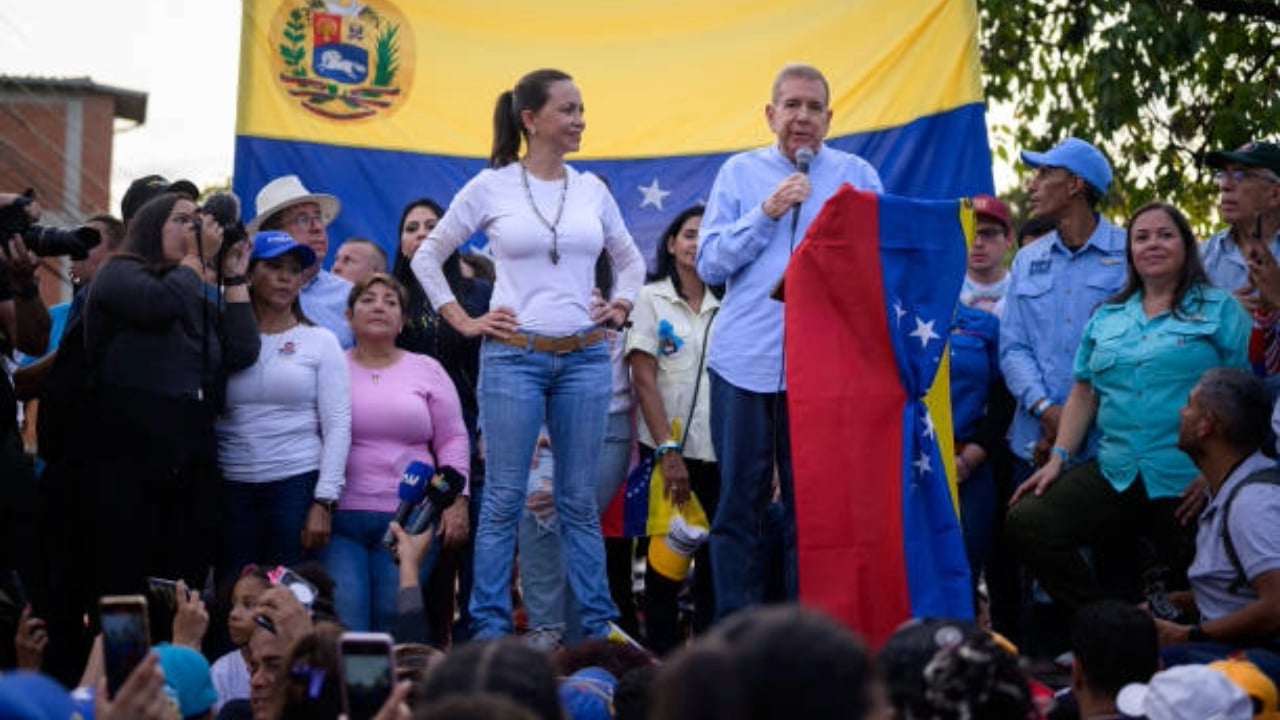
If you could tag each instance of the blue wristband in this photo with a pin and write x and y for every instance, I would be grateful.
(666, 447)
(1062, 453)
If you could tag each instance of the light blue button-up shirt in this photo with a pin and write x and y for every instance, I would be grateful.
(1223, 262)
(1143, 369)
(324, 300)
(1052, 294)
(747, 251)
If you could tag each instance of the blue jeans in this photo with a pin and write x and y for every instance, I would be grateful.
(542, 577)
(520, 390)
(262, 522)
(978, 516)
(744, 426)
(365, 576)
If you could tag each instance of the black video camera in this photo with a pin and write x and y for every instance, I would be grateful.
(44, 241)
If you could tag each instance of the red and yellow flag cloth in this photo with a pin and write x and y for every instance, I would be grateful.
(870, 296)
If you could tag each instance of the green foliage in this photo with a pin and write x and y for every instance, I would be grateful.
(388, 51)
(1156, 84)
(294, 51)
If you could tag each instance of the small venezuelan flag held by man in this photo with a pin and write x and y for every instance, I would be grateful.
(870, 295)
(380, 102)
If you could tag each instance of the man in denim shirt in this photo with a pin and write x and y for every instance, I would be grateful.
(1057, 282)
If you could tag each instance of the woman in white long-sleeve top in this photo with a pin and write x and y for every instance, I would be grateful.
(544, 358)
(284, 437)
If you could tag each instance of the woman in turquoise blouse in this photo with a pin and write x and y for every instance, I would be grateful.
(1140, 355)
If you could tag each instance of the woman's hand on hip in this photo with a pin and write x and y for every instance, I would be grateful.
(498, 323)
(612, 314)
(315, 533)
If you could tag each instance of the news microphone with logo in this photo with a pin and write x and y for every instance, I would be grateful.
(412, 490)
(804, 157)
(443, 489)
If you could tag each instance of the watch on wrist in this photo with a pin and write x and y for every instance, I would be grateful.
(234, 280)
(1195, 634)
(328, 505)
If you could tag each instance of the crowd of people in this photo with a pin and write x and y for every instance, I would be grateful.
(219, 415)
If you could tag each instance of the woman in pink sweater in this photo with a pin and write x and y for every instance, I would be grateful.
(403, 408)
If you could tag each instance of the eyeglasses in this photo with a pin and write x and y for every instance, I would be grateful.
(1238, 176)
(306, 221)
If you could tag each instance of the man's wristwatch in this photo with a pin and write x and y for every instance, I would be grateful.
(329, 505)
(1195, 634)
(233, 280)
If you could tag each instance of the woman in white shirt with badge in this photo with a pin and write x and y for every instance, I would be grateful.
(666, 349)
(284, 436)
(544, 358)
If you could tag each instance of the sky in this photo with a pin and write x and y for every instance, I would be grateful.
(183, 54)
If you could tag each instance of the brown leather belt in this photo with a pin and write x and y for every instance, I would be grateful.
(554, 345)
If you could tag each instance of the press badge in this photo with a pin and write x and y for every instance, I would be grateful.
(1040, 267)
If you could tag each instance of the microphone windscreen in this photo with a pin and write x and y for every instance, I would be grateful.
(804, 156)
(414, 482)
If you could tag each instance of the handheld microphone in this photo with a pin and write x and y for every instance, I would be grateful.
(443, 489)
(804, 157)
(413, 488)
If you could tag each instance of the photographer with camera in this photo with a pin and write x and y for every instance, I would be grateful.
(162, 339)
(24, 325)
(24, 319)
(1235, 576)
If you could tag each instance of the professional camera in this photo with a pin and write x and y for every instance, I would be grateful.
(44, 241)
(225, 209)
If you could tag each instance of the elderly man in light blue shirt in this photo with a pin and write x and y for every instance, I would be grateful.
(760, 207)
(286, 204)
(1057, 283)
(1249, 201)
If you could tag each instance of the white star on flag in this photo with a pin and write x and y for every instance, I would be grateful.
(924, 331)
(923, 464)
(898, 311)
(929, 430)
(653, 194)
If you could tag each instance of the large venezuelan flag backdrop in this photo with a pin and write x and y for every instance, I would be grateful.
(383, 101)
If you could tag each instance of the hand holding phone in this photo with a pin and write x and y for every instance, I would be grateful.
(366, 668)
(126, 636)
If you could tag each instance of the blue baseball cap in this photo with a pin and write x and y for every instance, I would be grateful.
(1077, 156)
(32, 696)
(186, 679)
(274, 243)
(588, 694)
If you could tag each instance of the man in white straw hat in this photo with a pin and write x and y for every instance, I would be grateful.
(286, 204)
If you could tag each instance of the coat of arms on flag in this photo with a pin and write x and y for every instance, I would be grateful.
(343, 59)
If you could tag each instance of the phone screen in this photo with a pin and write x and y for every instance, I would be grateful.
(125, 637)
(366, 673)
